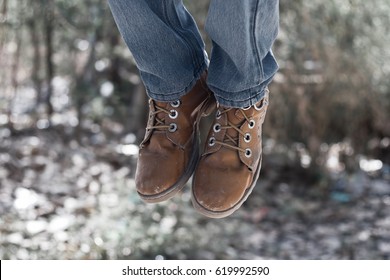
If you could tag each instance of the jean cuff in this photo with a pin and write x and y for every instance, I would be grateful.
(169, 97)
(240, 99)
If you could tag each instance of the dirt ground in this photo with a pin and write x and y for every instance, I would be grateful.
(63, 200)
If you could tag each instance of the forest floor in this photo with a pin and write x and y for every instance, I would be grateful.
(63, 200)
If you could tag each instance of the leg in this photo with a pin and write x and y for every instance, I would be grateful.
(165, 43)
(241, 67)
(169, 53)
(242, 63)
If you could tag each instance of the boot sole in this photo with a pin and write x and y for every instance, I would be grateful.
(222, 214)
(209, 107)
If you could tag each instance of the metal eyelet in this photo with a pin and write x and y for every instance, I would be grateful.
(173, 114)
(247, 138)
(251, 124)
(217, 128)
(218, 115)
(211, 141)
(248, 153)
(175, 103)
(263, 103)
(172, 127)
(246, 108)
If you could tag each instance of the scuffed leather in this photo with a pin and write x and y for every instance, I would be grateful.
(223, 174)
(164, 155)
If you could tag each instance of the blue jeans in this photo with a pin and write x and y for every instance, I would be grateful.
(170, 55)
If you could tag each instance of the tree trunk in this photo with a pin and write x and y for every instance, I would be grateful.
(3, 17)
(49, 31)
(14, 76)
(36, 60)
(84, 82)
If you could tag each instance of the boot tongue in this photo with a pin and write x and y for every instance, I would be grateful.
(236, 118)
(161, 115)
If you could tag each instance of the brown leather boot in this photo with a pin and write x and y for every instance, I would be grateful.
(170, 150)
(230, 166)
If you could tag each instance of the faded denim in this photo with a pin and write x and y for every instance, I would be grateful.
(170, 54)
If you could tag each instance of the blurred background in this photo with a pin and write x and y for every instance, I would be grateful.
(73, 110)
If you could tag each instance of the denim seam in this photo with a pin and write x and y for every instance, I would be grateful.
(199, 62)
(254, 43)
(195, 61)
(200, 47)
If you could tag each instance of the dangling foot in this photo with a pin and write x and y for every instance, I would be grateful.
(230, 166)
(170, 150)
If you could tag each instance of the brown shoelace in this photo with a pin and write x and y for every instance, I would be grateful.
(233, 142)
(159, 124)
(229, 139)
